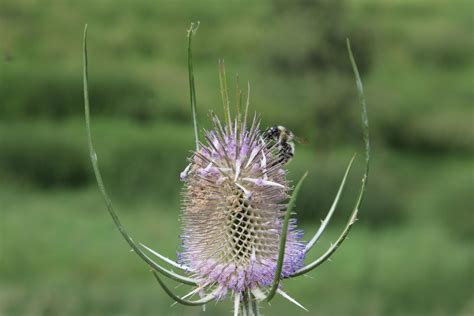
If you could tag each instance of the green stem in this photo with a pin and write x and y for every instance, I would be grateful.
(249, 305)
(255, 308)
(245, 304)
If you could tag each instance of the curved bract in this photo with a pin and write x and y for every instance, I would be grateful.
(108, 202)
(238, 235)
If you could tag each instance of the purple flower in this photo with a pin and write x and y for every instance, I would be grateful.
(233, 207)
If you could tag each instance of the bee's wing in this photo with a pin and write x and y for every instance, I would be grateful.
(301, 140)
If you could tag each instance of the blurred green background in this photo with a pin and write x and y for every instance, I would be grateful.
(411, 253)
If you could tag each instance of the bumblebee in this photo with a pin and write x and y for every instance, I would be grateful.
(282, 139)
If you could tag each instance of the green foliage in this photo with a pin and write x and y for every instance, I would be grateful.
(38, 154)
(381, 206)
(136, 161)
(57, 95)
(310, 36)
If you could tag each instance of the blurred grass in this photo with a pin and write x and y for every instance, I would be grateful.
(410, 253)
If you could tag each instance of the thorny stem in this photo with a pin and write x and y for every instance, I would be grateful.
(255, 309)
(245, 304)
(249, 305)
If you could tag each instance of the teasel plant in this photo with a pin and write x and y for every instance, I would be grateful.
(239, 239)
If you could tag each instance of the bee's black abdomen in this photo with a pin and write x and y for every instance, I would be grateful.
(280, 138)
(286, 152)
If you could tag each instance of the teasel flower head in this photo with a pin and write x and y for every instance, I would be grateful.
(234, 203)
(239, 239)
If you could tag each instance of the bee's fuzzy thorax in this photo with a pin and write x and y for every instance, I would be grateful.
(233, 203)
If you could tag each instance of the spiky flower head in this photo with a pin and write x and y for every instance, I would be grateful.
(235, 189)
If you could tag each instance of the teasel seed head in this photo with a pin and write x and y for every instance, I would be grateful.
(235, 189)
